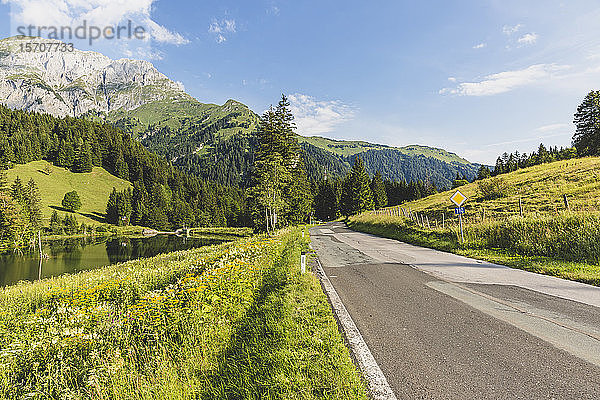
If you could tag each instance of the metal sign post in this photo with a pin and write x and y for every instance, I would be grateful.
(462, 236)
(459, 199)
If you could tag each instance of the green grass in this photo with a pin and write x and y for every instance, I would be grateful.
(234, 321)
(548, 238)
(93, 188)
(172, 113)
(565, 246)
(221, 232)
(541, 189)
(348, 148)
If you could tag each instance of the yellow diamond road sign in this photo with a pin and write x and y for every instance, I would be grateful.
(458, 198)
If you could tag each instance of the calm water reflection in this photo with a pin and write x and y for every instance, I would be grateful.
(72, 255)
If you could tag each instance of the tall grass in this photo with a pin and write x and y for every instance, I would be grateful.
(567, 236)
(565, 245)
(229, 321)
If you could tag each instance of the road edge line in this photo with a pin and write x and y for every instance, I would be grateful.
(379, 387)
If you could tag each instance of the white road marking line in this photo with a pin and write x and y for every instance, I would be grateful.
(378, 384)
(326, 231)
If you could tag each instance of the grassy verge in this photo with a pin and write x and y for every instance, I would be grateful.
(221, 231)
(564, 246)
(230, 321)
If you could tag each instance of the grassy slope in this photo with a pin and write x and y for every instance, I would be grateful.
(447, 240)
(541, 189)
(93, 188)
(348, 148)
(172, 112)
(548, 239)
(229, 321)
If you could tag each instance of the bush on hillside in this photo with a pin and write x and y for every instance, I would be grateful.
(71, 201)
(493, 188)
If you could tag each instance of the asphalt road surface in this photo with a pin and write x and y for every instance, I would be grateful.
(442, 326)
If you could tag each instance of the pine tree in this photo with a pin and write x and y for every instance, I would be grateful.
(11, 225)
(124, 207)
(543, 155)
(70, 224)
(361, 195)
(56, 224)
(83, 163)
(33, 202)
(281, 192)
(587, 121)
(112, 208)
(483, 172)
(326, 202)
(17, 191)
(4, 185)
(378, 189)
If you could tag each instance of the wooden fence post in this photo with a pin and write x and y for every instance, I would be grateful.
(566, 200)
(520, 207)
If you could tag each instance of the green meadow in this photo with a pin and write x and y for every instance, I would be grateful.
(525, 223)
(93, 188)
(232, 321)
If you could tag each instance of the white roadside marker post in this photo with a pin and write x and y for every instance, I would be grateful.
(303, 262)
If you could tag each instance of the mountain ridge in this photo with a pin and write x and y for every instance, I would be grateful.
(134, 96)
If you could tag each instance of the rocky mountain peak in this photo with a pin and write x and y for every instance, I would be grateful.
(76, 82)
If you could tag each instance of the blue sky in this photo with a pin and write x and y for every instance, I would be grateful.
(475, 77)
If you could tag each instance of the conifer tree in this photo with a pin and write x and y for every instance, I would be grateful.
(112, 209)
(281, 192)
(326, 202)
(17, 191)
(4, 185)
(56, 224)
(83, 163)
(483, 172)
(378, 189)
(587, 121)
(362, 195)
(11, 224)
(33, 204)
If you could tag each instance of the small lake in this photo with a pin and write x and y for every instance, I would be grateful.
(73, 255)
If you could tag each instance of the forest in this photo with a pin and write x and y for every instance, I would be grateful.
(163, 197)
(231, 188)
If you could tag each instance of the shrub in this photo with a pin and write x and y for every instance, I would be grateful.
(71, 201)
(493, 188)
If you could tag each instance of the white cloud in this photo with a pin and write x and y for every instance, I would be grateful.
(100, 13)
(506, 81)
(273, 10)
(480, 46)
(452, 79)
(221, 28)
(529, 38)
(535, 139)
(163, 35)
(509, 30)
(552, 128)
(315, 117)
